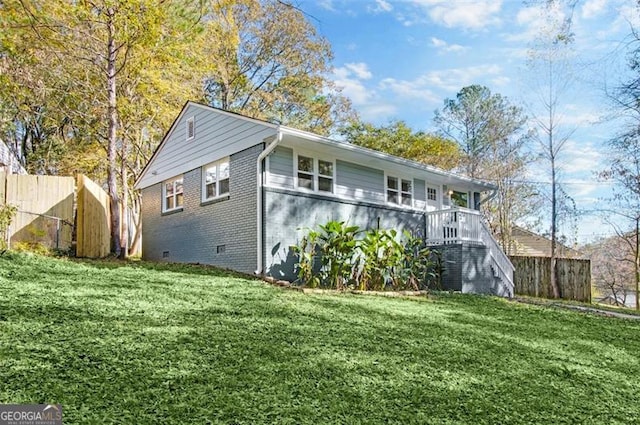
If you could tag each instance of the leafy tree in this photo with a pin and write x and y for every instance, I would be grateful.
(397, 138)
(270, 63)
(96, 79)
(492, 136)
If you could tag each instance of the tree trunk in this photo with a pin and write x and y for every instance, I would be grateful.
(637, 263)
(124, 234)
(554, 221)
(112, 112)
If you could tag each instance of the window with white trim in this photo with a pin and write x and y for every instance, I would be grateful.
(460, 199)
(314, 174)
(215, 179)
(399, 191)
(172, 194)
(432, 194)
(191, 128)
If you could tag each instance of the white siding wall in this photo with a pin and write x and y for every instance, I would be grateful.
(217, 134)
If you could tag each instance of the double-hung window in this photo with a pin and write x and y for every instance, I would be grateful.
(215, 181)
(314, 174)
(172, 194)
(399, 191)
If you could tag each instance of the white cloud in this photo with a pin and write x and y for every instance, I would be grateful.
(475, 15)
(593, 8)
(327, 4)
(443, 46)
(581, 157)
(380, 7)
(535, 21)
(360, 69)
(351, 84)
(409, 89)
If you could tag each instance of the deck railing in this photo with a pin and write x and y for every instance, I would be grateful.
(458, 225)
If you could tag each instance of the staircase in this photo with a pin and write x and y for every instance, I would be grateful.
(463, 226)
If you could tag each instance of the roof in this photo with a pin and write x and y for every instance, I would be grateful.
(528, 243)
(295, 136)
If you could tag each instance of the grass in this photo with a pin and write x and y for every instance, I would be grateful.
(147, 344)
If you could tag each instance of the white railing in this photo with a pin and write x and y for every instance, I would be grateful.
(462, 225)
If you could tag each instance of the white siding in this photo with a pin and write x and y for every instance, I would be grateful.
(281, 168)
(217, 134)
(358, 182)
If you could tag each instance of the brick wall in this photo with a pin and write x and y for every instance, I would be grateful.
(221, 233)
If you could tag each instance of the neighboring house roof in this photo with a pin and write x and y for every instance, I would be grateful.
(9, 160)
(531, 244)
(242, 132)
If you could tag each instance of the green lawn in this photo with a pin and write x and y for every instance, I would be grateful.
(160, 344)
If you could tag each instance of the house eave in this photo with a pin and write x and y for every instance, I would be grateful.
(444, 176)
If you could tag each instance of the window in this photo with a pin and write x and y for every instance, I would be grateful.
(316, 175)
(432, 194)
(172, 194)
(215, 181)
(191, 128)
(306, 171)
(399, 191)
(460, 199)
(325, 176)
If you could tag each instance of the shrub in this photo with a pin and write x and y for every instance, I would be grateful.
(7, 212)
(378, 260)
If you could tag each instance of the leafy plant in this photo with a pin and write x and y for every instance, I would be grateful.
(7, 213)
(307, 252)
(380, 257)
(337, 243)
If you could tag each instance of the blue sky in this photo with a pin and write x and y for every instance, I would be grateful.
(401, 59)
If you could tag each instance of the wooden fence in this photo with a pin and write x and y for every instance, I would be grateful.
(93, 220)
(44, 210)
(532, 276)
(45, 213)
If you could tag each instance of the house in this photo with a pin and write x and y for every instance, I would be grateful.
(236, 192)
(529, 244)
(9, 163)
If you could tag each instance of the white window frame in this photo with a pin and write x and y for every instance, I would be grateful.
(399, 190)
(175, 194)
(315, 174)
(217, 164)
(435, 194)
(454, 205)
(191, 122)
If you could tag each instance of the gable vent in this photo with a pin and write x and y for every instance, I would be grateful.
(191, 128)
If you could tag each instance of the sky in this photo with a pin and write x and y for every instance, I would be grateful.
(399, 60)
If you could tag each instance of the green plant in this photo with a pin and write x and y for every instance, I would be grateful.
(307, 252)
(7, 213)
(337, 243)
(417, 267)
(380, 256)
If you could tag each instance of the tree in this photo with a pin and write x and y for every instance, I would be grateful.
(398, 139)
(99, 59)
(270, 63)
(492, 136)
(551, 79)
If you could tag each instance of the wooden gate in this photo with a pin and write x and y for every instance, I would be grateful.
(532, 276)
(93, 220)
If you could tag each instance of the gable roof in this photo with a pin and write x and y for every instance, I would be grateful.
(156, 171)
(528, 243)
(145, 180)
